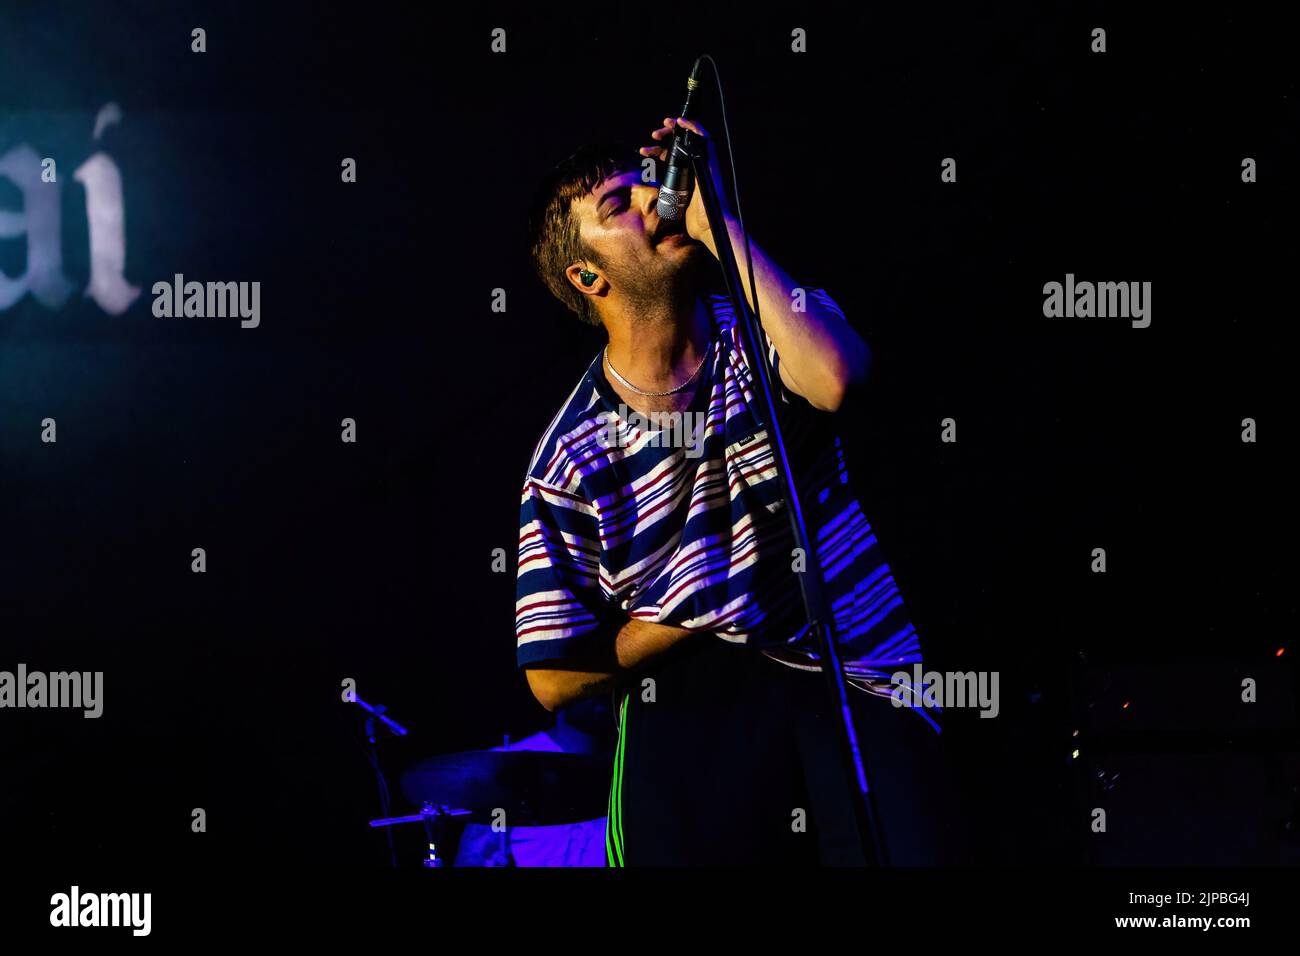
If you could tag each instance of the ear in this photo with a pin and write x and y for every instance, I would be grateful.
(574, 275)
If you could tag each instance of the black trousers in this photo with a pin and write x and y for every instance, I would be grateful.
(726, 757)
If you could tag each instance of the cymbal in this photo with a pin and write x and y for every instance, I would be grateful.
(533, 787)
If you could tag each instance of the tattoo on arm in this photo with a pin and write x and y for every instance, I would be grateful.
(603, 683)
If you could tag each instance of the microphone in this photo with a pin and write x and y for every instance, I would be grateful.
(679, 180)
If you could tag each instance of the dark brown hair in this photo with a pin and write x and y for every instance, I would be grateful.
(553, 240)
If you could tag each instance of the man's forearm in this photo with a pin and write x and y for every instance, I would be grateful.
(821, 354)
(556, 688)
(637, 643)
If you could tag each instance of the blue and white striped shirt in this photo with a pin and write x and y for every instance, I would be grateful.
(698, 537)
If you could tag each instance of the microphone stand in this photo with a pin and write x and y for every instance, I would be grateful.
(811, 583)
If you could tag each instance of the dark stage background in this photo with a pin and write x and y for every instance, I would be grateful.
(372, 560)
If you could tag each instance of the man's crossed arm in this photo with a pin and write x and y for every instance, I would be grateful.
(637, 643)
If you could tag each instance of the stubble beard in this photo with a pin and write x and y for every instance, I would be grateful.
(665, 293)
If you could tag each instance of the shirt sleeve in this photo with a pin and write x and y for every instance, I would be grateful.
(561, 613)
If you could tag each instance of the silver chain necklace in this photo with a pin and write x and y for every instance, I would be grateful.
(670, 391)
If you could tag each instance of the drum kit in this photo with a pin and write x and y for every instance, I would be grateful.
(499, 788)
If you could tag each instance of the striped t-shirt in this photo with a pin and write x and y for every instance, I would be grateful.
(619, 520)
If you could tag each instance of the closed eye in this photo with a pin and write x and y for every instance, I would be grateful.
(610, 201)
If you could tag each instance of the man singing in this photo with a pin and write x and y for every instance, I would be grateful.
(664, 571)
